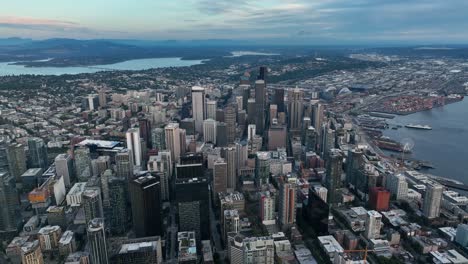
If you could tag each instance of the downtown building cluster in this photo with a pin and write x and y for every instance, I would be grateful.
(251, 174)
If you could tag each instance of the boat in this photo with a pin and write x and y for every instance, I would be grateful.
(424, 127)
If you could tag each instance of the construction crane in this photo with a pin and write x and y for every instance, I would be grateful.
(360, 250)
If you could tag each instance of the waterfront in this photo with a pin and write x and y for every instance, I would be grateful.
(6, 68)
(446, 145)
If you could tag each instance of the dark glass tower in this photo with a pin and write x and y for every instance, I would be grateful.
(146, 206)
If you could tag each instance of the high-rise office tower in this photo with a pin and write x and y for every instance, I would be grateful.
(333, 178)
(262, 167)
(229, 154)
(230, 120)
(262, 73)
(311, 139)
(92, 204)
(102, 97)
(295, 108)
(93, 102)
(117, 214)
(251, 132)
(198, 107)
(231, 222)
(251, 112)
(211, 107)
(183, 141)
(317, 120)
(279, 99)
(192, 202)
(260, 97)
(9, 203)
(221, 134)
(209, 130)
(276, 137)
(328, 140)
(220, 175)
(172, 133)
(397, 185)
(64, 168)
(13, 159)
(97, 242)
(145, 130)
(37, 153)
(273, 115)
(373, 224)
(82, 163)
(100, 165)
(158, 139)
(145, 196)
(124, 164)
(245, 89)
(287, 201)
(267, 207)
(432, 200)
(134, 144)
(162, 164)
(354, 162)
(242, 152)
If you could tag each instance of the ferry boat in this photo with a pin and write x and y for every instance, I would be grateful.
(426, 127)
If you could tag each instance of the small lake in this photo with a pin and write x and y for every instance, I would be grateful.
(6, 68)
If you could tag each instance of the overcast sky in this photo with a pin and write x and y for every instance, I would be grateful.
(311, 21)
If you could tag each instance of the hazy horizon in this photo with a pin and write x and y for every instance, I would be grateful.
(321, 22)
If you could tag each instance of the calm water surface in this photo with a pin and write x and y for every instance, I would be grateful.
(446, 145)
(6, 68)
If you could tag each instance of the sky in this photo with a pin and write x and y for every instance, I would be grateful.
(304, 21)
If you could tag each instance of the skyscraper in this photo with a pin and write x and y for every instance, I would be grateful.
(279, 99)
(229, 155)
(92, 204)
(117, 214)
(373, 224)
(158, 139)
(251, 112)
(267, 206)
(260, 97)
(262, 167)
(124, 164)
(220, 175)
(209, 130)
(230, 120)
(211, 107)
(82, 163)
(192, 202)
(96, 234)
(162, 165)
(198, 107)
(262, 74)
(333, 178)
(311, 139)
(295, 109)
(145, 196)
(9, 203)
(172, 133)
(432, 200)
(317, 112)
(134, 144)
(397, 185)
(287, 201)
(64, 168)
(13, 159)
(37, 153)
(221, 134)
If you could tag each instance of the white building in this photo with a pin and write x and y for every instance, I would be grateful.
(398, 186)
(134, 144)
(432, 200)
(75, 193)
(172, 133)
(198, 107)
(373, 224)
(209, 130)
